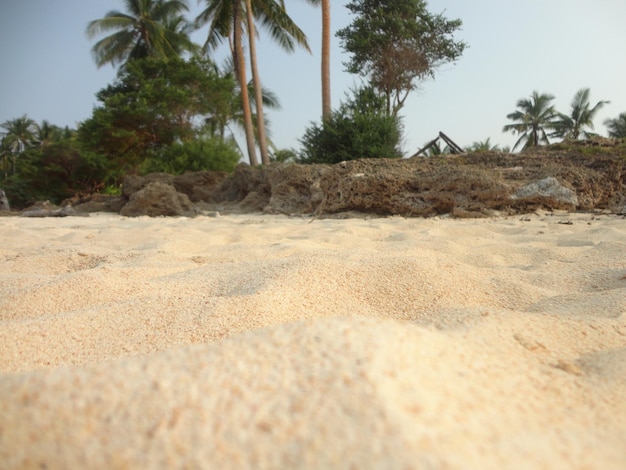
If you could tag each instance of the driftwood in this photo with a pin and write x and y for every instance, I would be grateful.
(454, 148)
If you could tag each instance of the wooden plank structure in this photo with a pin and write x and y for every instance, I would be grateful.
(454, 148)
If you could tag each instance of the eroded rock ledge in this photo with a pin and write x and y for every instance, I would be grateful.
(472, 185)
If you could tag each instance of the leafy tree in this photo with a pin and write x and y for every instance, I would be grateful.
(154, 104)
(617, 126)
(149, 28)
(533, 118)
(360, 128)
(55, 171)
(397, 43)
(227, 19)
(18, 136)
(581, 117)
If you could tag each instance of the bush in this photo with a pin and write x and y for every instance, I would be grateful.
(360, 128)
(55, 172)
(208, 154)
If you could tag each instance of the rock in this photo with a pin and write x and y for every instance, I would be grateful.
(469, 185)
(549, 188)
(132, 184)
(101, 203)
(46, 209)
(201, 186)
(157, 199)
(295, 189)
(4, 201)
(246, 190)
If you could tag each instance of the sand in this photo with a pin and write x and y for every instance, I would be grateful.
(254, 341)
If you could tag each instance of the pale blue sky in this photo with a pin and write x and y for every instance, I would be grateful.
(515, 47)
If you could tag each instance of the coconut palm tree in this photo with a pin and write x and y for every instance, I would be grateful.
(19, 134)
(217, 124)
(617, 126)
(47, 133)
(326, 109)
(5, 154)
(326, 104)
(581, 117)
(534, 117)
(483, 146)
(227, 19)
(149, 28)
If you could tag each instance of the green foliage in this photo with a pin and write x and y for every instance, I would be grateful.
(210, 154)
(397, 43)
(486, 146)
(54, 172)
(285, 155)
(153, 105)
(533, 118)
(148, 28)
(573, 126)
(617, 126)
(360, 128)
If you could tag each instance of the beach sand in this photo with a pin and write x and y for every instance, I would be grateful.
(255, 341)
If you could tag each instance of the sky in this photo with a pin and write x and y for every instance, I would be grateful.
(515, 47)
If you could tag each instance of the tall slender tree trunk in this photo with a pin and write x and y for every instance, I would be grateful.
(326, 106)
(258, 90)
(240, 65)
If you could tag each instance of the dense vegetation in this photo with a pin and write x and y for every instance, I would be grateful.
(172, 109)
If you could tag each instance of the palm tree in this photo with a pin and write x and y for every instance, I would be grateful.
(265, 159)
(226, 18)
(19, 135)
(534, 117)
(326, 110)
(617, 126)
(326, 105)
(217, 124)
(483, 146)
(149, 28)
(284, 31)
(581, 117)
(5, 153)
(47, 133)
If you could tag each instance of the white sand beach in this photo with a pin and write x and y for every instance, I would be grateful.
(256, 341)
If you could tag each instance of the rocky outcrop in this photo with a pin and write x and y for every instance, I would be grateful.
(470, 185)
(157, 199)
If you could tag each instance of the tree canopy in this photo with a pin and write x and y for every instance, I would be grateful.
(394, 44)
(155, 104)
(575, 125)
(148, 28)
(532, 120)
(617, 126)
(360, 128)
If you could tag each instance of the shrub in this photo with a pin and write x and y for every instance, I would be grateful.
(360, 128)
(208, 154)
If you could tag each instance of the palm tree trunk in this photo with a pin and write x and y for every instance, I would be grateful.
(326, 106)
(258, 91)
(243, 83)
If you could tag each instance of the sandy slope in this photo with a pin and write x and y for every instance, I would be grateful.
(269, 342)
